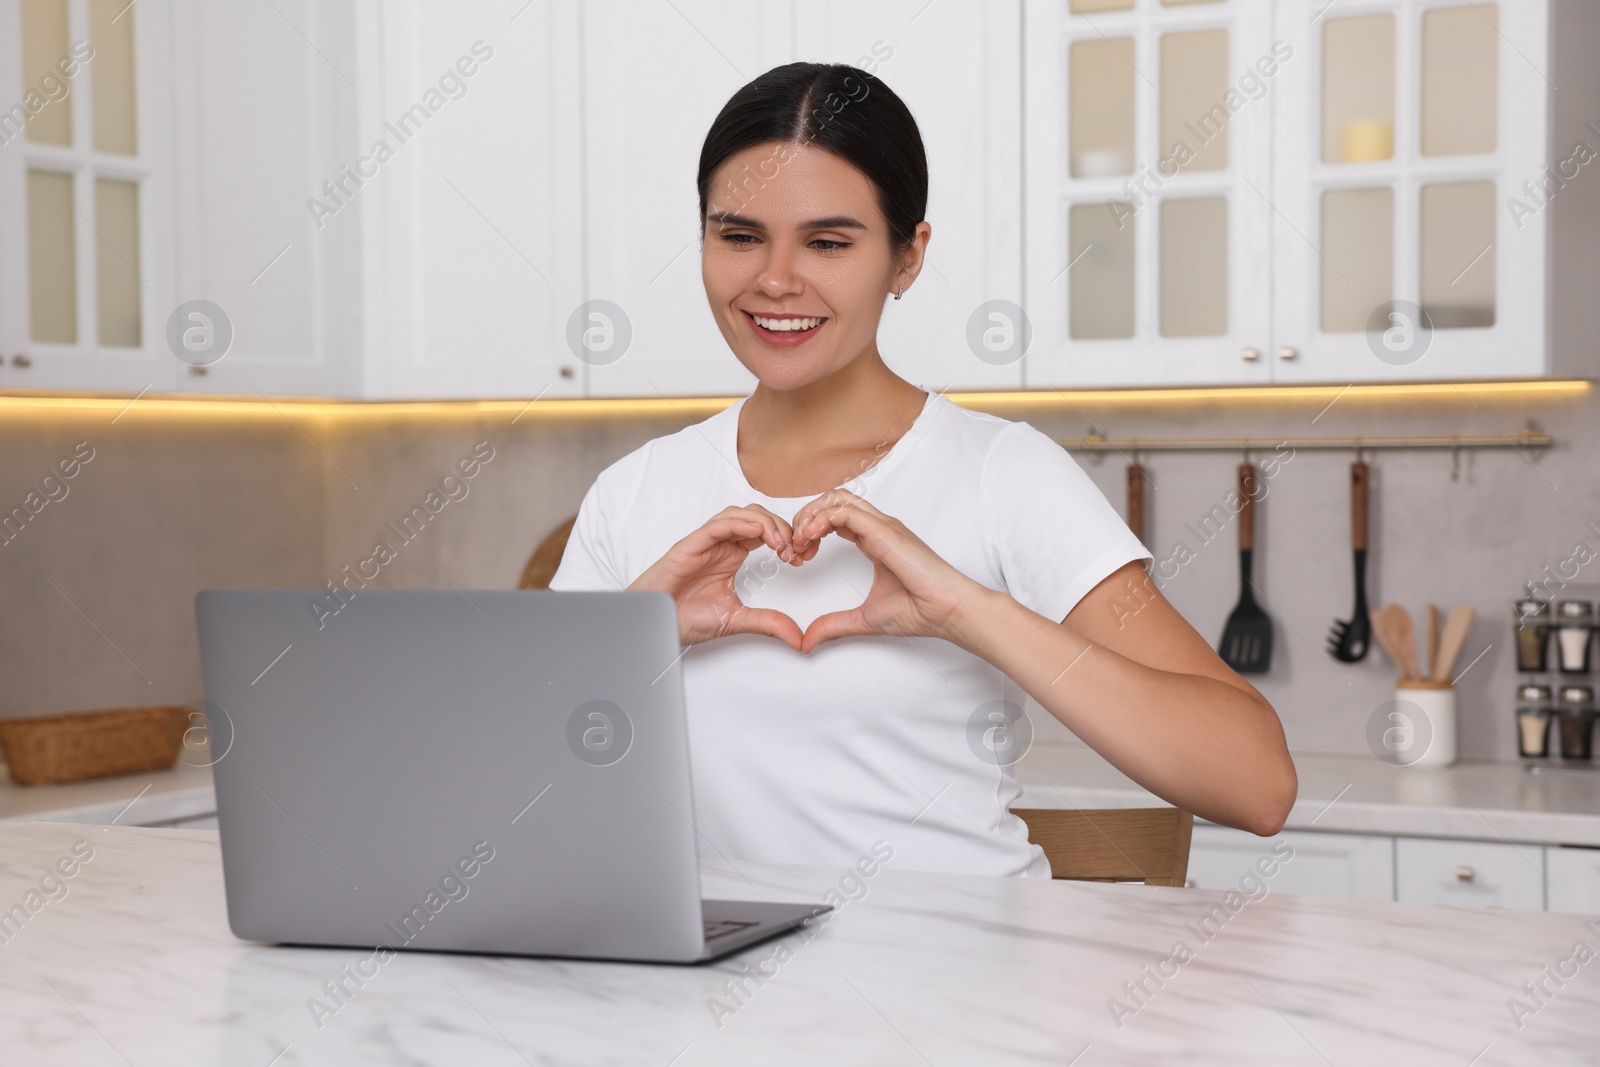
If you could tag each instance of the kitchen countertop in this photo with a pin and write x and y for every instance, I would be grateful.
(1473, 801)
(182, 792)
(136, 964)
(1477, 801)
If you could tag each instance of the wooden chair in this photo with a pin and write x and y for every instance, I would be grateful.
(541, 566)
(1149, 845)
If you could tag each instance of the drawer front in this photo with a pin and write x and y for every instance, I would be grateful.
(1482, 873)
(1574, 875)
(1359, 866)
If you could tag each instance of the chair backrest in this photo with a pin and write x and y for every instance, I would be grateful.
(546, 558)
(1149, 845)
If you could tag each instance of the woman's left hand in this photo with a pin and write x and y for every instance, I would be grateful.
(914, 593)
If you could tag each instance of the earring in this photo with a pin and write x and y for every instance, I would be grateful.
(900, 292)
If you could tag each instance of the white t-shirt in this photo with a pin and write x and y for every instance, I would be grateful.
(812, 758)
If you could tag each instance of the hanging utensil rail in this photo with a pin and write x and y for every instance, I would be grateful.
(1095, 443)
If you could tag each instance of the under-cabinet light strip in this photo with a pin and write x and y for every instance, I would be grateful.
(662, 406)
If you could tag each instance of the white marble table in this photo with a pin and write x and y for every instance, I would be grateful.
(136, 965)
(1350, 794)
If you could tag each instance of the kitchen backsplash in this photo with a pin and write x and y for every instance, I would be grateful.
(98, 585)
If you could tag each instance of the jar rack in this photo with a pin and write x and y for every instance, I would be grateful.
(1556, 678)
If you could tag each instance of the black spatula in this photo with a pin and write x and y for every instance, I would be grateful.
(1349, 641)
(1246, 644)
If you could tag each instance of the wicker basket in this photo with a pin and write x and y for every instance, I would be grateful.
(74, 745)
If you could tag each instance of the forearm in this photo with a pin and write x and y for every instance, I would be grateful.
(1198, 742)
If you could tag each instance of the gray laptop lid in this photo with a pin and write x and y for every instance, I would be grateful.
(487, 771)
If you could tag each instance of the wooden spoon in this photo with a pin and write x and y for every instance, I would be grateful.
(1392, 625)
(1455, 635)
(1405, 639)
(1385, 627)
(1431, 636)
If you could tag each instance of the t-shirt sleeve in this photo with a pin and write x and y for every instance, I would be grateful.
(1054, 534)
(593, 557)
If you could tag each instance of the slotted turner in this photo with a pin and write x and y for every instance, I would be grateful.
(1246, 644)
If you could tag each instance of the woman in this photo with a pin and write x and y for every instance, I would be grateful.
(865, 573)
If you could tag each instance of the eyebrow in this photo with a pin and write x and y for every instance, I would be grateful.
(831, 222)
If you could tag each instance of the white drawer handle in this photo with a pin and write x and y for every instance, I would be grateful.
(1466, 874)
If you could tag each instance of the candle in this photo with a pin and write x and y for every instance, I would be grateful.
(1368, 141)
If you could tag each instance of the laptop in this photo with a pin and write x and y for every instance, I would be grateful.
(464, 771)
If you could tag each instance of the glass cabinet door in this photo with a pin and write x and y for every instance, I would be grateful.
(84, 258)
(1148, 225)
(1403, 134)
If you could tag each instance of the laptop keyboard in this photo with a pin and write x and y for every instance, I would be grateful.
(715, 928)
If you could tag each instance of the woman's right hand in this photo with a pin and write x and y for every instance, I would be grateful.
(699, 570)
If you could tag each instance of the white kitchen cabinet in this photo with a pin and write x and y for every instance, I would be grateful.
(375, 201)
(1361, 866)
(646, 115)
(1573, 879)
(1393, 165)
(471, 233)
(955, 66)
(1416, 187)
(1148, 228)
(381, 197)
(263, 124)
(654, 78)
(1469, 873)
(185, 157)
(1179, 193)
(86, 195)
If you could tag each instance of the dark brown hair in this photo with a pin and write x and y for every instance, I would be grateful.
(844, 111)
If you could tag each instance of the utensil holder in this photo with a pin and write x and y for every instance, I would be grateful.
(1435, 703)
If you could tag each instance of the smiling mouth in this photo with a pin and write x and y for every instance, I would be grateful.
(790, 328)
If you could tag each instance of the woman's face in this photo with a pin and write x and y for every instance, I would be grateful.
(795, 233)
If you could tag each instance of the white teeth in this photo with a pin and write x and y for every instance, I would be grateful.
(786, 325)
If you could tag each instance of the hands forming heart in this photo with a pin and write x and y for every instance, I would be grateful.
(914, 592)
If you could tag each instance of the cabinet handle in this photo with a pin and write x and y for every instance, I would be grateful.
(198, 372)
(1251, 353)
(566, 372)
(1287, 352)
(1466, 874)
(22, 359)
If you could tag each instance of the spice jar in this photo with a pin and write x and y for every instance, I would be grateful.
(1533, 634)
(1577, 722)
(1574, 624)
(1534, 711)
